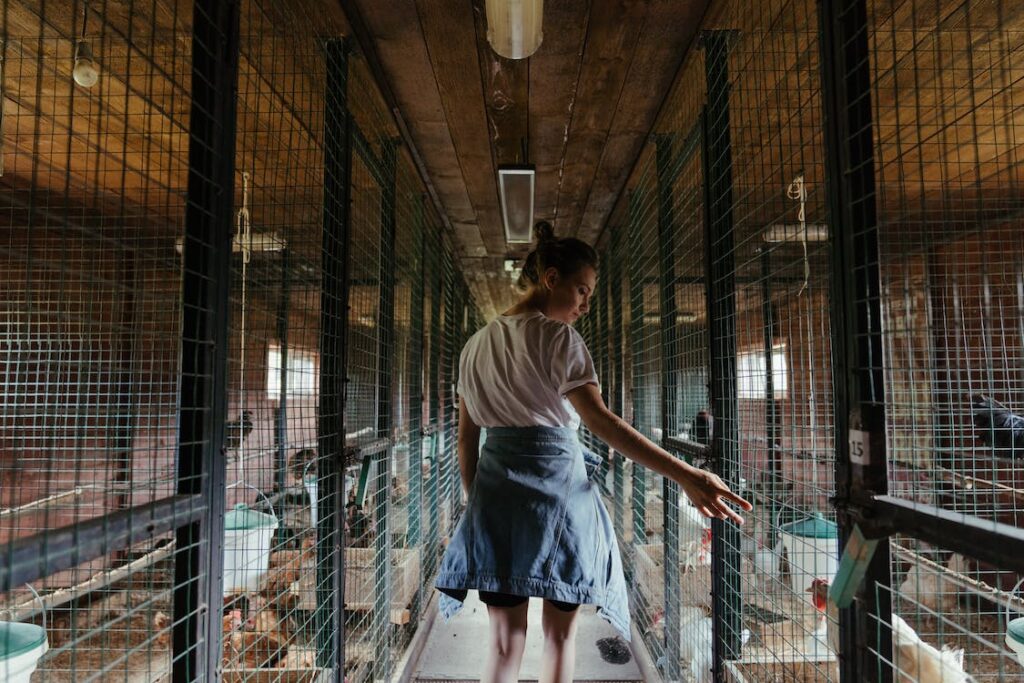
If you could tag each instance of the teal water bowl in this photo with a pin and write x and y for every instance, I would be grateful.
(21, 646)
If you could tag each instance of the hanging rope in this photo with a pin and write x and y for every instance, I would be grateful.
(243, 237)
(797, 190)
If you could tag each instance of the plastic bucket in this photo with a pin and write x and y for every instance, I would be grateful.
(310, 483)
(21, 646)
(247, 536)
(1015, 638)
(812, 546)
(1015, 629)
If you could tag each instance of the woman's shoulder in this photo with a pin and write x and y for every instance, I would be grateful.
(557, 335)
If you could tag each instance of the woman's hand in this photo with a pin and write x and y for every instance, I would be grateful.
(709, 495)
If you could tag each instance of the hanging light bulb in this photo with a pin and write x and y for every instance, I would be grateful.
(514, 26)
(86, 73)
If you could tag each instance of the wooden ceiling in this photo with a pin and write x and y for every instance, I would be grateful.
(580, 107)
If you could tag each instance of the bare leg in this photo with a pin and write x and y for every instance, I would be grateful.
(508, 640)
(559, 660)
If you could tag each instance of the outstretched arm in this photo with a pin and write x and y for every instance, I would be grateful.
(708, 493)
(469, 446)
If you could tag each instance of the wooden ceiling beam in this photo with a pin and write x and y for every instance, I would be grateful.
(450, 36)
(668, 33)
(613, 35)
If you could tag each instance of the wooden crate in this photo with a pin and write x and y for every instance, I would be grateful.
(272, 675)
(361, 582)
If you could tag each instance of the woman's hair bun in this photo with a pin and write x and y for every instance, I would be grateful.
(543, 231)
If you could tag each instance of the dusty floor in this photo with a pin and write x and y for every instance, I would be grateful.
(455, 651)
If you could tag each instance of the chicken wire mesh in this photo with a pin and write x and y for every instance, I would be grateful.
(950, 301)
(943, 83)
(94, 197)
(91, 351)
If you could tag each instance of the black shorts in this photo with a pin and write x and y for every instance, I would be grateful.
(506, 600)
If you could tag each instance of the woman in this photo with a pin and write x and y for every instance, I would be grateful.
(534, 525)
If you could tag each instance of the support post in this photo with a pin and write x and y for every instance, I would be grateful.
(206, 279)
(636, 328)
(415, 379)
(381, 622)
(857, 362)
(618, 395)
(334, 293)
(433, 554)
(281, 416)
(771, 420)
(721, 300)
(669, 399)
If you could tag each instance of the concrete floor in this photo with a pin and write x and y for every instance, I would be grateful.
(456, 651)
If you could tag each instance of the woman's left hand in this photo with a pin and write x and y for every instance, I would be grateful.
(711, 496)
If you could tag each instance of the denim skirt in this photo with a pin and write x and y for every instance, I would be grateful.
(535, 525)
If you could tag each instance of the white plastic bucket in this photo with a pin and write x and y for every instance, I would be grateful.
(812, 546)
(310, 483)
(1015, 630)
(21, 646)
(1015, 638)
(247, 536)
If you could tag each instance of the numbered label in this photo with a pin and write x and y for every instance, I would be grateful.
(860, 447)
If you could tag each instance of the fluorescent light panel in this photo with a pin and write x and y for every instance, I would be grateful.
(515, 188)
(794, 232)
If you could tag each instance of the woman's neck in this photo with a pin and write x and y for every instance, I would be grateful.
(531, 302)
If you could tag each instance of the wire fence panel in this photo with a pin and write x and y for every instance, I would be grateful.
(176, 463)
(949, 292)
(946, 152)
(93, 191)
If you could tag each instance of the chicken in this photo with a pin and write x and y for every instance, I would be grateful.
(251, 650)
(918, 662)
(697, 644)
(299, 658)
(998, 427)
(286, 566)
(162, 625)
(915, 660)
(264, 619)
(237, 431)
(829, 612)
(694, 535)
(932, 589)
(759, 568)
(260, 641)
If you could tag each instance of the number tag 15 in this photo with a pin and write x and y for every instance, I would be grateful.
(860, 447)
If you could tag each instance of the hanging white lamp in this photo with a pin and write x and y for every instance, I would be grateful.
(514, 27)
(86, 73)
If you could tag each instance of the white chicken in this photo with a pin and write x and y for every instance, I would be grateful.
(915, 660)
(932, 589)
(694, 535)
(696, 642)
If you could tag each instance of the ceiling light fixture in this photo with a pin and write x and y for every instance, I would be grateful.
(515, 189)
(514, 27)
(85, 73)
(794, 232)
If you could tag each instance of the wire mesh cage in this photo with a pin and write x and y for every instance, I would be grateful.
(948, 294)
(114, 378)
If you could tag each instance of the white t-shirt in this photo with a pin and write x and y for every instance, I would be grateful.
(516, 370)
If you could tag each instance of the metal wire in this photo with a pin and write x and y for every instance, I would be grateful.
(94, 190)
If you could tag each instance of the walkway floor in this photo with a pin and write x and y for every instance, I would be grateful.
(456, 651)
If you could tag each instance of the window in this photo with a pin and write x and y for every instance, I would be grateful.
(751, 373)
(303, 373)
